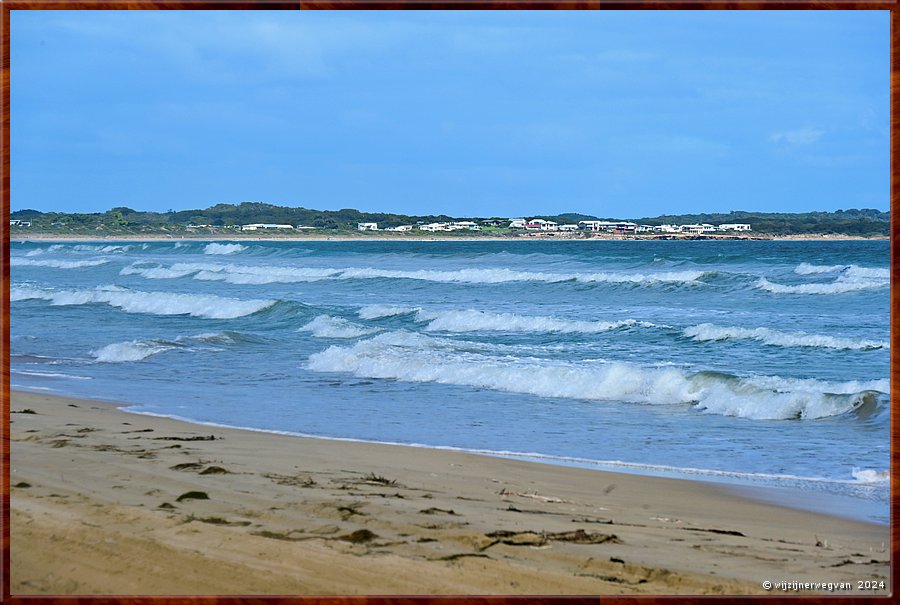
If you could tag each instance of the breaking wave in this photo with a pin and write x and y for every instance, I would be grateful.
(379, 311)
(709, 332)
(56, 264)
(243, 274)
(158, 303)
(135, 350)
(326, 326)
(138, 350)
(159, 272)
(39, 251)
(419, 358)
(472, 321)
(230, 273)
(106, 249)
(851, 279)
(870, 476)
(808, 269)
(215, 248)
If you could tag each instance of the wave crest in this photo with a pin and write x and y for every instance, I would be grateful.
(809, 269)
(418, 358)
(215, 248)
(379, 311)
(846, 282)
(56, 264)
(134, 350)
(266, 274)
(326, 326)
(157, 303)
(709, 332)
(473, 321)
(106, 249)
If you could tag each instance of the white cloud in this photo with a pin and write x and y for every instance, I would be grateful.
(803, 136)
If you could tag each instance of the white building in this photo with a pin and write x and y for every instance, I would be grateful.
(597, 225)
(571, 227)
(539, 224)
(734, 227)
(517, 223)
(435, 227)
(467, 225)
(257, 226)
(400, 228)
(692, 229)
(367, 226)
(608, 226)
(667, 229)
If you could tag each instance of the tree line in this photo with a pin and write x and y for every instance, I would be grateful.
(124, 220)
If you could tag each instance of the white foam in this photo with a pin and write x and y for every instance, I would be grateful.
(681, 277)
(263, 274)
(809, 269)
(502, 275)
(135, 350)
(848, 281)
(39, 251)
(215, 248)
(102, 248)
(419, 358)
(325, 326)
(473, 321)
(710, 332)
(56, 264)
(50, 375)
(871, 476)
(159, 272)
(854, 271)
(158, 303)
(212, 337)
(230, 273)
(379, 311)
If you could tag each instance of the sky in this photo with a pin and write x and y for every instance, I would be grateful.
(619, 114)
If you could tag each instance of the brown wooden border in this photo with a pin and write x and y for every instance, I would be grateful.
(7, 5)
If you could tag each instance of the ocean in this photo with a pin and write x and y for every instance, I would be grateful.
(749, 363)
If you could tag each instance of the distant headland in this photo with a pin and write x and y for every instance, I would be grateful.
(255, 219)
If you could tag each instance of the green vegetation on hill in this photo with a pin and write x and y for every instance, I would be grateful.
(864, 222)
(126, 221)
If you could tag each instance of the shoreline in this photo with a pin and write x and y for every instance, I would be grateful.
(20, 238)
(840, 506)
(322, 516)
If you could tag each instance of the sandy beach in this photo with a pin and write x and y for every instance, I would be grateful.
(108, 502)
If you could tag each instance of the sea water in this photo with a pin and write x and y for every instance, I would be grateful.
(760, 363)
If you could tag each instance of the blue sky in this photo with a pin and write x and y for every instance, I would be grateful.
(616, 114)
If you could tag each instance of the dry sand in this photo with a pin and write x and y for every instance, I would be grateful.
(101, 504)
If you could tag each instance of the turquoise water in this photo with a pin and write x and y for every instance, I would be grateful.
(756, 363)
